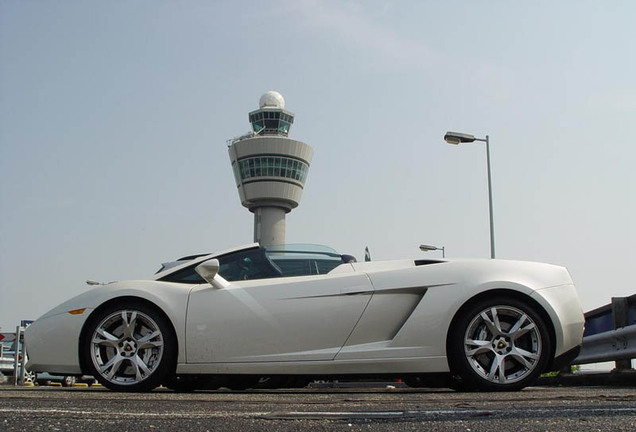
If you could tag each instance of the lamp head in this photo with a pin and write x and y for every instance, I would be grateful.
(458, 138)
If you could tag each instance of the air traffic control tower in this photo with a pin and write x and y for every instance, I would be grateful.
(270, 169)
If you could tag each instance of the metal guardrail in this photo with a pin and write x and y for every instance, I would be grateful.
(20, 357)
(619, 344)
(620, 312)
(610, 334)
(7, 357)
(14, 361)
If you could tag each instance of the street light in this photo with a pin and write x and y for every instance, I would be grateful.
(426, 248)
(460, 138)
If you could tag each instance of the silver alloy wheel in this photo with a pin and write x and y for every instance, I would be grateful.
(68, 381)
(502, 344)
(126, 347)
(30, 377)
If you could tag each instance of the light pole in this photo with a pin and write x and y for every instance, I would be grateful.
(426, 248)
(459, 138)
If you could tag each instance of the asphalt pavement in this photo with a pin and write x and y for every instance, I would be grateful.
(326, 409)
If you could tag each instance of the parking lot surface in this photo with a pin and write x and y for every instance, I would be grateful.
(359, 409)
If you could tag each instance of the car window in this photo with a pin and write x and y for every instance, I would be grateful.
(242, 265)
(304, 260)
(264, 263)
(186, 275)
(248, 265)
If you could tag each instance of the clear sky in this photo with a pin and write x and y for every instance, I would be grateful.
(114, 118)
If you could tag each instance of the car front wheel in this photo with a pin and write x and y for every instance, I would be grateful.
(499, 344)
(130, 347)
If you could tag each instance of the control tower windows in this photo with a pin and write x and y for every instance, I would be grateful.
(271, 122)
(273, 166)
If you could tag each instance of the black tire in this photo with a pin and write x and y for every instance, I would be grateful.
(130, 347)
(89, 381)
(498, 344)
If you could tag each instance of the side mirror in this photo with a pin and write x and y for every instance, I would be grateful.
(209, 270)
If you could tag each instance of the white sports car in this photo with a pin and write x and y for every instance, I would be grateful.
(230, 319)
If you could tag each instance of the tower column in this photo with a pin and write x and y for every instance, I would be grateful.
(269, 225)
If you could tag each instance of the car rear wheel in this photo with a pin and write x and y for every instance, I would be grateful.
(130, 347)
(499, 344)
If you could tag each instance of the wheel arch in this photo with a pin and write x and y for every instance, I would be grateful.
(510, 294)
(123, 300)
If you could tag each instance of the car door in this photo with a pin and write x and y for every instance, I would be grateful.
(276, 319)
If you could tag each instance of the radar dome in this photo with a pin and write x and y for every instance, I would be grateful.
(272, 99)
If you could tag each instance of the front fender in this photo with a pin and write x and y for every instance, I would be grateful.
(53, 339)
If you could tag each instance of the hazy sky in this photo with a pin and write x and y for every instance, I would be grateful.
(114, 117)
